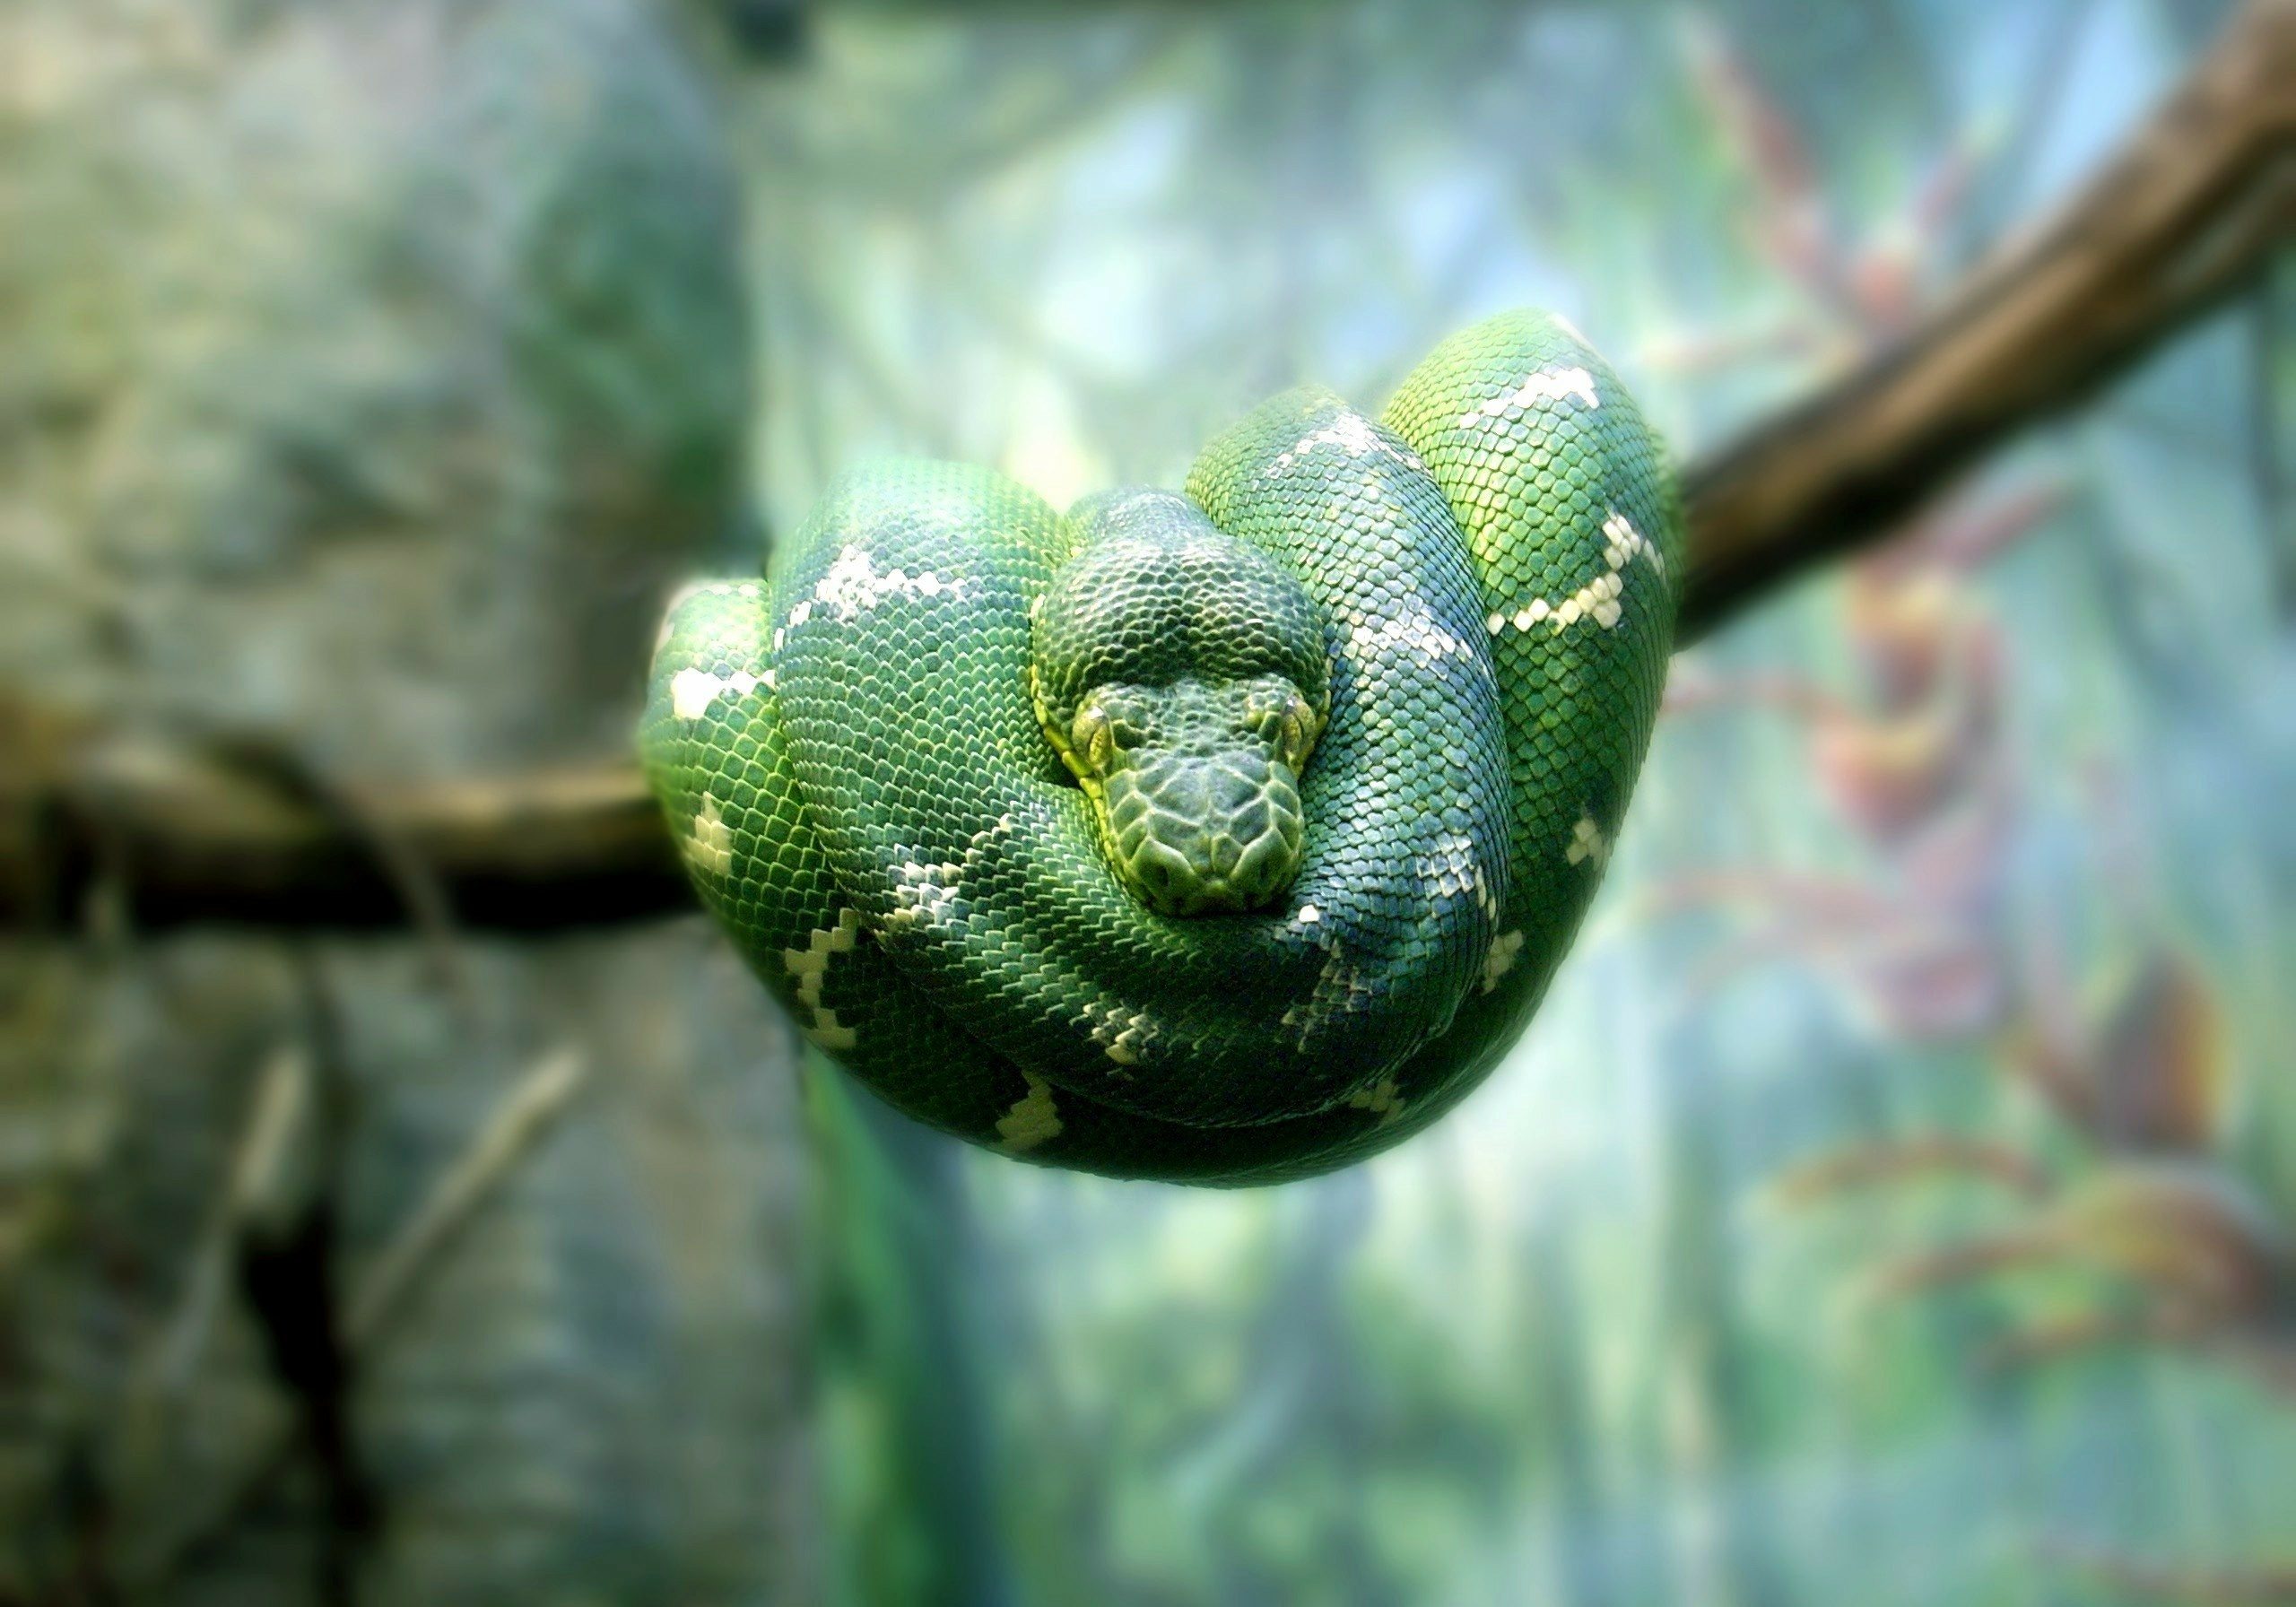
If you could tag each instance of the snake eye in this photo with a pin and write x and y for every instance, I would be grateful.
(1295, 736)
(1091, 738)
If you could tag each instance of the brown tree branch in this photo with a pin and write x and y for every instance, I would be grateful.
(2191, 210)
(2145, 1579)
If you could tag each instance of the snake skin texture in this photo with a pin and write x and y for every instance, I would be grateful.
(1223, 838)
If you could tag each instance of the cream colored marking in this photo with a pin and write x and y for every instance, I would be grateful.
(1004, 827)
(1417, 630)
(1546, 385)
(1598, 600)
(810, 964)
(924, 894)
(854, 584)
(1353, 434)
(1032, 1120)
(691, 691)
(1622, 540)
(1380, 1099)
(1338, 985)
(748, 588)
(1124, 1035)
(1448, 868)
(1309, 915)
(830, 1033)
(1501, 959)
(1588, 843)
(710, 844)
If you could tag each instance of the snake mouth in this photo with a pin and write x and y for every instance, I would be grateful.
(1205, 834)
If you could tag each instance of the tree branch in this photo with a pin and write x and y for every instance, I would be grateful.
(2192, 208)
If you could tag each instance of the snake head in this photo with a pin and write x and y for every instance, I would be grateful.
(1198, 786)
(1181, 676)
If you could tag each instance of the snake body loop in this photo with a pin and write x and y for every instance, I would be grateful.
(1223, 838)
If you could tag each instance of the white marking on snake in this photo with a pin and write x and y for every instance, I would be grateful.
(1032, 1119)
(1545, 386)
(1600, 599)
(830, 1033)
(1416, 629)
(710, 844)
(1622, 540)
(1380, 1099)
(691, 691)
(1309, 915)
(1501, 958)
(1353, 434)
(810, 964)
(854, 585)
(1448, 867)
(1339, 988)
(1588, 843)
(1122, 1034)
(924, 895)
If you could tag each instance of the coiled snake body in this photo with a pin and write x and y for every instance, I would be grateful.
(1227, 836)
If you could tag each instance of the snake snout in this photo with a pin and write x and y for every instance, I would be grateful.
(1206, 834)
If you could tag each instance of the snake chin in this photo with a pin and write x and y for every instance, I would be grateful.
(1204, 834)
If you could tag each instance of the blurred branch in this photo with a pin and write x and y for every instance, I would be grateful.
(1862, 1166)
(523, 1118)
(2147, 1580)
(92, 821)
(2189, 211)
(2192, 210)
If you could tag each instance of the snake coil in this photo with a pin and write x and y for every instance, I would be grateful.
(1226, 836)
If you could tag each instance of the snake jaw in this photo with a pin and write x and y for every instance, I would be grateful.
(1204, 834)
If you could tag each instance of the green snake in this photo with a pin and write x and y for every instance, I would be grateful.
(1221, 837)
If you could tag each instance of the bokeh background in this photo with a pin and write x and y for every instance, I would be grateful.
(1895, 1202)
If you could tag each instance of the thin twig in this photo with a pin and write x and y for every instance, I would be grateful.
(517, 1124)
